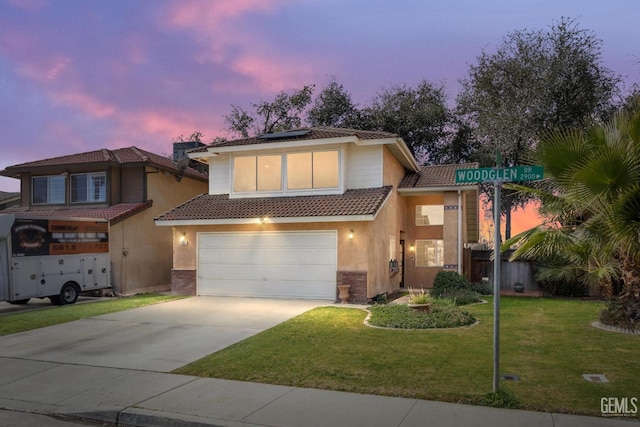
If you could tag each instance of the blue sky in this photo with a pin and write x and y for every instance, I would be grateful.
(78, 75)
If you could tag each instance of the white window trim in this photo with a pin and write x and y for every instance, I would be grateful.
(283, 176)
(88, 174)
(48, 202)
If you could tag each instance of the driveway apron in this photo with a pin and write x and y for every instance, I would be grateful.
(158, 338)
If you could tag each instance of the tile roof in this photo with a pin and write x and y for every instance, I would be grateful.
(435, 176)
(221, 207)
(313, 133)
(120, 156)
(113, 213)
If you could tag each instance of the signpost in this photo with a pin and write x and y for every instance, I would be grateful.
(498, 175)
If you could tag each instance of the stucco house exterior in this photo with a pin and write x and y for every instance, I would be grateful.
(128, 187)
(296, 214)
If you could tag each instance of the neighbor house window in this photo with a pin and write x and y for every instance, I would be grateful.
(89, 187)
(429, 215)
(429, 253)
(48, 190)
(316, 169)
(257, 173)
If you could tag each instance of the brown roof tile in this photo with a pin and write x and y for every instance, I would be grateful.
(435, 176)
(314, 133)
(120, 156)
(113, 213)
(221, 207)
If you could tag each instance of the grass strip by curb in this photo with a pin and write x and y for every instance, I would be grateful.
(54, 315)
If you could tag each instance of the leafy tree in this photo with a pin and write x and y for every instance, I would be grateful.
(332, 107)
(591, 202)
(283, 113)
(418, 115)
(534, 82)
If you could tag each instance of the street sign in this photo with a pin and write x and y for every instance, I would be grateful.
(515, 173)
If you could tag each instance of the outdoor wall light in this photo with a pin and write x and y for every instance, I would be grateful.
(351, 234)
(411, 248)
(263, 220)
(183, 240)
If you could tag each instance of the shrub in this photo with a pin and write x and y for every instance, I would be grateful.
(451, 285)
(460, 296)
(483, 288)
(448, 280)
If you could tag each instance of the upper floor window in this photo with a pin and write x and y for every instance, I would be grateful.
(48, 190)
(257, 173)
(89, 187)
(303, 171)
(316, 169)
(429, 215)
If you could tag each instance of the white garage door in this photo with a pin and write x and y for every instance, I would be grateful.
(268, 264)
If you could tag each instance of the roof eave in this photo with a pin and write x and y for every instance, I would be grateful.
(267, 220)
(436, 189)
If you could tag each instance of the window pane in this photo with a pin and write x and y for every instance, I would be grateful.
(299, 171)
(429, 253)
(98, 187)
(39, 191)
(244, 174)
(429, 215)
(79, 188)
(56, 189)
(269, 173)
(325, 169)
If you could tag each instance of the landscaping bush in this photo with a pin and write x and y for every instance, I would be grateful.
(444, 314)
(460, 296)
(446, 280)
(453, 286)
(483, 288)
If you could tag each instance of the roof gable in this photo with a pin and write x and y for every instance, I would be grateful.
(122, 157)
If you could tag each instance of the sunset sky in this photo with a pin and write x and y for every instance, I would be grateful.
(78, 75)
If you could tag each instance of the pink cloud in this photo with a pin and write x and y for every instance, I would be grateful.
(85, 103)
(273, 75)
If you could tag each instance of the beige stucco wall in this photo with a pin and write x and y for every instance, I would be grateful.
(141, 252)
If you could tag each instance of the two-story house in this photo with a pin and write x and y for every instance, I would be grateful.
(295, 214)
(128, 187)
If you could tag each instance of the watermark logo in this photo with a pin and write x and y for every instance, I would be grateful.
(619, 406)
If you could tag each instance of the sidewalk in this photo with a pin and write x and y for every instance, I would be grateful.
(128, 397)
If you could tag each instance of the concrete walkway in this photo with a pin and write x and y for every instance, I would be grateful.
(66, 371)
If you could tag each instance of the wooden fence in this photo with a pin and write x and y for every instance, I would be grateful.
(478, 264)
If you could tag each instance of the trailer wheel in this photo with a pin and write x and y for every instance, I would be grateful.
(68, 294)
(20, 301)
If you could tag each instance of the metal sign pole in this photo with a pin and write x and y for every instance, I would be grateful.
(496, 286)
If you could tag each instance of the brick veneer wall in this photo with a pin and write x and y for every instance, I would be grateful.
(358, 282)
(183, 282)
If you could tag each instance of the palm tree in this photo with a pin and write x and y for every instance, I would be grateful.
(590, 200)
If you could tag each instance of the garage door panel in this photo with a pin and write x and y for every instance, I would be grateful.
(269, 264)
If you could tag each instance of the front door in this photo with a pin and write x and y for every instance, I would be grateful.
(401, 262)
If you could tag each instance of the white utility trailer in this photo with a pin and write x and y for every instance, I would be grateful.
(54, 258)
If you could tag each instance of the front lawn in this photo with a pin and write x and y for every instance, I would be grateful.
(40, 318)
(548, 343)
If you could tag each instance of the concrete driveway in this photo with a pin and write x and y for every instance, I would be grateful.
(159, 338)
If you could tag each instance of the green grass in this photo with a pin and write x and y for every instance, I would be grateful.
(34, 319)
(549, 343)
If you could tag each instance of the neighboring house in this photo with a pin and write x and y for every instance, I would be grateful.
(8, 199)
(295, 214)
(126, 186)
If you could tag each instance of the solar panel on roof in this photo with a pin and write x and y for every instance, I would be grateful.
(285, 134)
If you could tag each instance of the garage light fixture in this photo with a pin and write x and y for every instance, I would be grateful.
(262, 220)
(183, 240)
(351, 234)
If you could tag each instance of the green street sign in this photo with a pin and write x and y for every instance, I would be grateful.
(515, 173)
